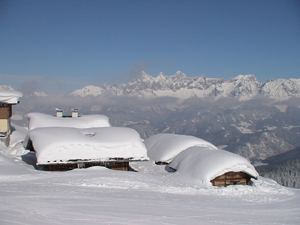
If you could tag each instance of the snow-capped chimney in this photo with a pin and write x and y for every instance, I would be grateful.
(75, 112)
(59, 112)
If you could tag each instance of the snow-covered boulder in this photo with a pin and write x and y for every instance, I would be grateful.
(198, 165)
(164, 147)
(10, 96)
(37, 120)
(61, 144)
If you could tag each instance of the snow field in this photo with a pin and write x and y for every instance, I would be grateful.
(152, 196)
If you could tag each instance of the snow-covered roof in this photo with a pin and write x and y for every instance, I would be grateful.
(58, 145)
(198, 165)
(164, 147)
(37, 120)
(10, 96)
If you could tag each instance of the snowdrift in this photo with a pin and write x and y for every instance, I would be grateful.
(164, 147)
(37, 120)
(62, 144)
(198, 165)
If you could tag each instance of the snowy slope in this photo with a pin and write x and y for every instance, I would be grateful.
(281, 88)
(242, 87)
(151, 196)
(101, 196)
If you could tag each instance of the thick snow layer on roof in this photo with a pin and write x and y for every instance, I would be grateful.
(54, 145)
(164, 147)
(37, 120)
(10, 96)
(198, 165)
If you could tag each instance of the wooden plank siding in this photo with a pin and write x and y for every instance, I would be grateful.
(5, 111)
(115, 165)
(231, 178)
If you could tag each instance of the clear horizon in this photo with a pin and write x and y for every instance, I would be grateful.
(56, 45)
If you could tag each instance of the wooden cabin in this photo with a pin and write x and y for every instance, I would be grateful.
(58, 165)
(7, 99)
(62, 144)
(5, 114)
(203, 166)
(231, 178)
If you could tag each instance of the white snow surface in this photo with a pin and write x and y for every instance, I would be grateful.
(61, 144)
(198, 165)
(10, 96)
(37, 120)
(163, 147)
(151, 196)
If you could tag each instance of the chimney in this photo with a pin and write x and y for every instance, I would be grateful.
(59, 112)
(75, 112)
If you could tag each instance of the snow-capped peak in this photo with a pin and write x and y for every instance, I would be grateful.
(161, 75)
(180, 75)
(88, 90)
(145, 76)
(246, 77)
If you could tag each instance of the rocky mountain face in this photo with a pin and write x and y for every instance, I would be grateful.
(242, 87)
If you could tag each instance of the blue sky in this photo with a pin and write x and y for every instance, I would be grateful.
(56, 45)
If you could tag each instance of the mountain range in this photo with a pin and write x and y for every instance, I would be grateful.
(242, 87)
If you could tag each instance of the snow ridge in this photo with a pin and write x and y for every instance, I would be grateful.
(242, 87)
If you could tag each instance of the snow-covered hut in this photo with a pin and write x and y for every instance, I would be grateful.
(7, 99)
(163, 147)
(64, 148)
(67, 143)
(202, 167)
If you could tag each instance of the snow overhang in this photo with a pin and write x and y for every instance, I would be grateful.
(10, 96)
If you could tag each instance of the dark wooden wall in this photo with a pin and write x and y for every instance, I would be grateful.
(5, 111)
(108, 164)
(231, 178)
